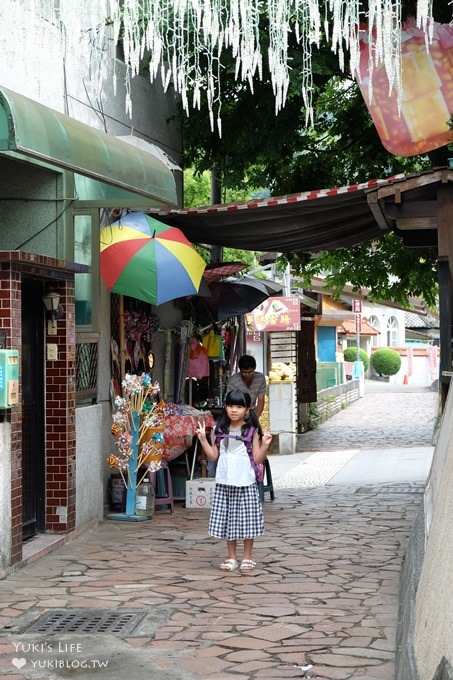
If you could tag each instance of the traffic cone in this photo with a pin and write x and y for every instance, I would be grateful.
(405, 380)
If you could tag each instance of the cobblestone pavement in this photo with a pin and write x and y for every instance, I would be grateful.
(387, 416)
(322, 603)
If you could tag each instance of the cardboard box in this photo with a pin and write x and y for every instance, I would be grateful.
(199, 492)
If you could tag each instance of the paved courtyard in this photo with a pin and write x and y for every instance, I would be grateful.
(388, 416)
(322, 603)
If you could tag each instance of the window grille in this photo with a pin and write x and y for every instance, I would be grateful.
(87, 367)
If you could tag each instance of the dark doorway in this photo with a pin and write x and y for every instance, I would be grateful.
(33, 449)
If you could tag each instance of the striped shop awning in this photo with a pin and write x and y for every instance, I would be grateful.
(310, 221)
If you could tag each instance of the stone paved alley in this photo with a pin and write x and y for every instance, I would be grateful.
(322, 603)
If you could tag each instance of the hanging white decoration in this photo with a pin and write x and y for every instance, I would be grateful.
(185, 40)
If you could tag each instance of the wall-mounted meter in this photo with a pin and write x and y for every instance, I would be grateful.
(9, 377)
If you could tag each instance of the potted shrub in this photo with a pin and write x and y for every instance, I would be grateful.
(385, 362)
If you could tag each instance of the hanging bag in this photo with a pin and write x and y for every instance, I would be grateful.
(198, 364)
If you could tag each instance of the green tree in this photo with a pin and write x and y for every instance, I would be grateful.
(197, 192)
(350, 354)
(388, 269)
(281, 153)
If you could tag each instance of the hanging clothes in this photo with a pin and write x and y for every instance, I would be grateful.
(198, 363)
(213, 344)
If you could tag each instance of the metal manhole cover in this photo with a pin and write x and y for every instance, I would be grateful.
(86, 621)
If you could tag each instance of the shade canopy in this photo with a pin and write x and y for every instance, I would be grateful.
(215, 271)
(38, 132)
(324, 219)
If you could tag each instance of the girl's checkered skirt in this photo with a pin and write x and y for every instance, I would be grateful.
(236, 513)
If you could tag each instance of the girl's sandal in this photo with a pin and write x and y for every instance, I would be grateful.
(247, 566)
(229, 565)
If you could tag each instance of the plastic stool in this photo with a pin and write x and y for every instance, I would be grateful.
(162, 477)
(269, 485)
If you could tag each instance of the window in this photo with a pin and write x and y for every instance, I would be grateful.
(85, 251)
(86, 367)
(83, 282)
(392, 332)
(374, 321)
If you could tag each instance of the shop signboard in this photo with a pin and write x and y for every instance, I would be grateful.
(276, 314)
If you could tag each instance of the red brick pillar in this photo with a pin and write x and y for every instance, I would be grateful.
(60, 382)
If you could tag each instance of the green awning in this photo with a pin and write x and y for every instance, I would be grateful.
(38, 132)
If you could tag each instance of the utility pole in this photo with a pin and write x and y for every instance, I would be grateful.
(216, 198)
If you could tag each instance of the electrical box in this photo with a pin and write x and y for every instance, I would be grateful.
(9, 377)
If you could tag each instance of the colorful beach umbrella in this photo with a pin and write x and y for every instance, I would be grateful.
(148, 260)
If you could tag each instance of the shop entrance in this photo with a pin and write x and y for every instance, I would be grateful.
(33, 450)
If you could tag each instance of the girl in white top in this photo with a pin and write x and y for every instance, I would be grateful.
(236, 513)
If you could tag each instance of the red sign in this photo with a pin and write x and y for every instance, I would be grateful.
(276, 314)
(357, 306)
(358, 323)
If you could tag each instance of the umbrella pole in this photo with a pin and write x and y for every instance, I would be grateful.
(167, 365)
(122, 340)
(186, 333)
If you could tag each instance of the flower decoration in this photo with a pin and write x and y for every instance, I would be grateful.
(138, 392)
(116, 429)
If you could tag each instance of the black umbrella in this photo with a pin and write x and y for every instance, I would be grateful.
(229, 298)
(268, 286)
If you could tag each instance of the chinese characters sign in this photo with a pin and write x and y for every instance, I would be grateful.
(276, 314)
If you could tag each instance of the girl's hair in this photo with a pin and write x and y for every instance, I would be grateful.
(238, 398)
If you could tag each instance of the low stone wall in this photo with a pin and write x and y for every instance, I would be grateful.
(335, 399)
(331, 400)
(410, 574)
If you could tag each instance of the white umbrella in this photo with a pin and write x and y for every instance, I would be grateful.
(151, 149)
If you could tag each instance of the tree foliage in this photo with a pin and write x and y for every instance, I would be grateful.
(279, 152)
(197, 190)
(388, 269)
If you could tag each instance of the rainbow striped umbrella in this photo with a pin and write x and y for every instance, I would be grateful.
(145, 259)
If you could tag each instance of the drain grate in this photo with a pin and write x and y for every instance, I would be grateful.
(396, 488)
(86, 621)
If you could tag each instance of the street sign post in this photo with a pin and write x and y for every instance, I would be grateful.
(357, 307)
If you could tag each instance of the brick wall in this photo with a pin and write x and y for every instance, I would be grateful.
(60, 393)
(60, 419)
